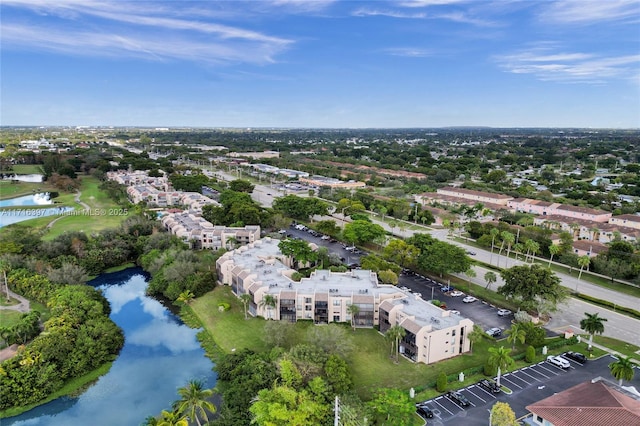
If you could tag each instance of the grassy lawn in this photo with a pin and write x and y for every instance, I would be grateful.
(9, 317)
(27, 169)
(624, 348)
(372, 365)
(11, 189)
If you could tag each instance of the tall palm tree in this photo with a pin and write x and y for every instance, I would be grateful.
(508, 239)
(470, 273)
(490, 277)
(475, 336)
(500, 358)
(518, 249)
(245, 298)
(395, 334)
(535, 248)
(583, 262)
(592, 324)
(516, 333)
(622, 369)
(4, 268)
(494, 234)
(553, 250)
(269, 301)
(353, 310)
(195, 402)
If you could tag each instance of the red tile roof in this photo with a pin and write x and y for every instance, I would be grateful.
(589, 404)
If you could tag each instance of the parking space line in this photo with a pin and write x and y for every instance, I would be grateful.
(524, 372)
(539, 372)
(469, 390)
(485, 391)
(507, 379)
(547, 369)
(435, 401)
(513, 374)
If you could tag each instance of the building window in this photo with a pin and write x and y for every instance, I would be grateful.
(453, 333)
(307, 308)
(307, 300)
(336, 318)
(337, 302)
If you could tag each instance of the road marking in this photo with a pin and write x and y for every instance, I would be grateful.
(544, 367)
(539, 372)
(445, 408)
(507, 379)
(524, 372)
(513, 374)
(485, 391)
(469, 390)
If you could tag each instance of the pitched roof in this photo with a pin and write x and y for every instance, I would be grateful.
(589, 404)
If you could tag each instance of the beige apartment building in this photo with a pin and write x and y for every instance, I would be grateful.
(259, 269)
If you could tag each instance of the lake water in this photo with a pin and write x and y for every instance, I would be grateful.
(160, 355)
(9, 216)
(32, 178)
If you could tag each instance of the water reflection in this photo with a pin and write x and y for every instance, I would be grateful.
(160, 355)
(41, 199)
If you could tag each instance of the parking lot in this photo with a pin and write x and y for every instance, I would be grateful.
(528, 385)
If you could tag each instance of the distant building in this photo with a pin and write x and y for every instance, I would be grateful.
(321, 181)
(255, 155)
(258, 269)
(628, 220)
(477, 196)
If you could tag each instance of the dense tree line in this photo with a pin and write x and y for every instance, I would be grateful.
(78, 337)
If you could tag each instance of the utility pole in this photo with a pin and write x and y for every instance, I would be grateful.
(336, 409)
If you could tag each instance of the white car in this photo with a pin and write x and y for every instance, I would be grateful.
(456, 293)
(504, 312)
(558, 361)
(469, 299)
(453, 311)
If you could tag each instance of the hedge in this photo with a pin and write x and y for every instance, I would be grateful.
(631, 312)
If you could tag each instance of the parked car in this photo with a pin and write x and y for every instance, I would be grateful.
(424, 411)
(489, 386)
(456, 293)
(494, 332)
(453, 311)
(558, 361)
(458, 398)
(575, 356)
(446, 288)
(471, 253)
(504, 312)
(469, 299)
(325, 237)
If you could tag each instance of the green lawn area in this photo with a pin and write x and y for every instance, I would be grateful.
(9, 317)
(27, 169)
(12, 189)
(624, 348)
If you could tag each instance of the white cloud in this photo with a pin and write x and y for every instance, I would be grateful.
(426, 3)
(573, 67)
(140, 29)
(591, 11)
(410, 52)
(389, 13)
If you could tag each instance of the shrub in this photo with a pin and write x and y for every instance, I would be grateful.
(441, 382)
(522, 316)
(530, 355)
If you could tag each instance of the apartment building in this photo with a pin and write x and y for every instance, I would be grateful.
(627, 220)
(477, 196)
(201, 234)
(259, 269)
(545, 208)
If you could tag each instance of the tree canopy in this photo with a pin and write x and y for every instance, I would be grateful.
(531, 285)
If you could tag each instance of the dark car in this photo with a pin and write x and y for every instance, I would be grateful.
(575, 356)
(424, 411)
(491, 387)
(446, 288)
(458, 398)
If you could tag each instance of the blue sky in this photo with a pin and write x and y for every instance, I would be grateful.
(322, 63)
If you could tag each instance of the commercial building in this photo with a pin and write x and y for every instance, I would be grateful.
(259, 269)
(331, 182)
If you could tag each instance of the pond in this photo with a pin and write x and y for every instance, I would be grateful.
(31, 178)
(41, 199)
(160, 355)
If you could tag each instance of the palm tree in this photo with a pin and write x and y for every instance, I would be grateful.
(470, 273)
(535, 248)
(592, 324)
(490, 277)
(4, 268)
(622, 369)
(245, 298)
(195, 401)
(508, 238)
(395, 334)
(553, 250)
(476, 335)
(516, 333)
(269, 301)
(500, 358)
(353, 310)
(185, 297)
(518, 249)
(172, 418)
(494, 233)
(583, 262)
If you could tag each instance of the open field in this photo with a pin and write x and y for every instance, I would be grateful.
(27, 169)
(12, 189)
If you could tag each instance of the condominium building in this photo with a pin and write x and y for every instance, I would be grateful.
(260, 269)
(201, 234)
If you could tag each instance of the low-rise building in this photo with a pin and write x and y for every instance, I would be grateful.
(259, 269)
(477, 196)
(321, 181)
(627, 220)
(201, 234)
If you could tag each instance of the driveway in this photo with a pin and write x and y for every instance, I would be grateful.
(528, 385)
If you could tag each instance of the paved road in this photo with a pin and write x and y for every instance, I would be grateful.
(618, 326)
